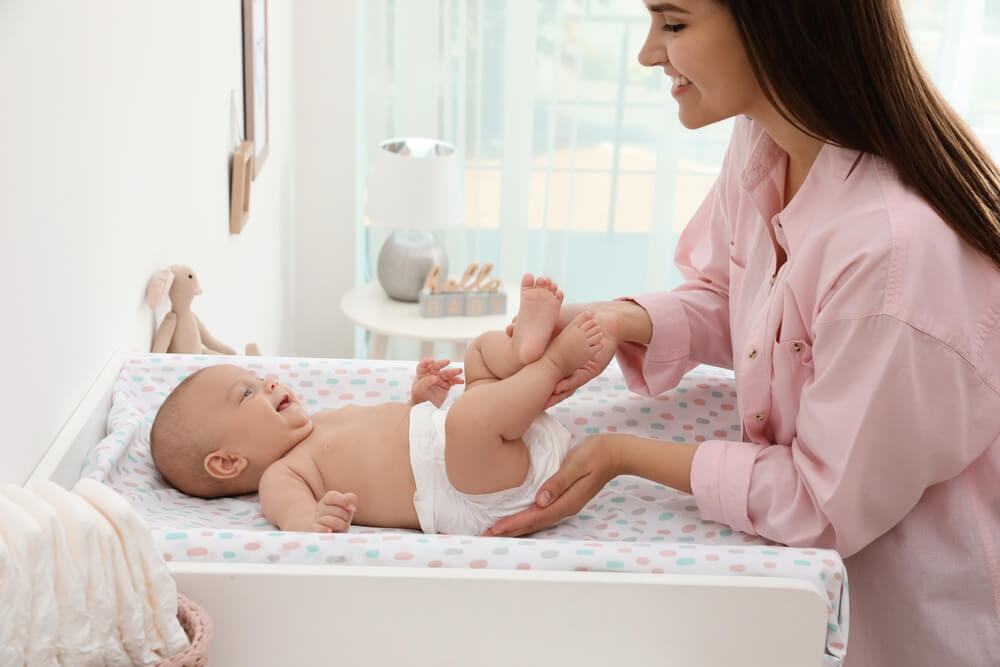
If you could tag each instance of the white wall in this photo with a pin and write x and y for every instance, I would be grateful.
(115, 137)
(325, 178)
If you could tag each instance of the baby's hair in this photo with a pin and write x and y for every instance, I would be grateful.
(179, 450)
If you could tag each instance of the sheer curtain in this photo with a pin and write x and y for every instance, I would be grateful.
(575, 164)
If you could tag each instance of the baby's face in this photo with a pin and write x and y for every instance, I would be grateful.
(243, 414)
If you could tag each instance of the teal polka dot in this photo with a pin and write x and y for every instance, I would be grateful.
(228, 554)
(620, 521)
(716, 394)
(681, 390)
(225, 536)
(620, 387)
(276, 534)
(656, 538)
(599, 507)
(659, 487)
(802, 562)
(666, 516)
(156, 361)
(422, 539)
(311, 401)
(394, 397)
(615, 564)
(312, 548)
(177, 536)
(678, 438)
(359, 381)
(767, 552)
(592, 430)
(726, 533)
(686, 561)
(683, 404)
(613, 482)
(686, 538)
(644, 411)
(137, 378)
(584, 517)
(372, 553)
(332, 381)
(303, 363)
(833, 627)
(618, 499)
(585, 552)
(656, 426)
(393, 383)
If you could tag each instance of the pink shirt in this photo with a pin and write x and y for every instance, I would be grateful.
(868, 375)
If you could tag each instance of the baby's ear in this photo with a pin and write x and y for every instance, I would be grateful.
(221, 464)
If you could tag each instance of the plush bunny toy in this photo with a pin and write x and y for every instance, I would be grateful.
(181, 331)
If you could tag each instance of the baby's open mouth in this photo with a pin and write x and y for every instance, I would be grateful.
(284, 403)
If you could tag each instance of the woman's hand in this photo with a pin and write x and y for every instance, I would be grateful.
(588, 467)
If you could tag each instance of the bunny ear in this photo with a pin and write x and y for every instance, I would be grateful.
(159, 287)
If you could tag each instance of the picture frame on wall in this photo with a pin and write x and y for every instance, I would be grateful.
(255, 79)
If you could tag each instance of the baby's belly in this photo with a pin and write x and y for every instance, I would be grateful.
(385, 484)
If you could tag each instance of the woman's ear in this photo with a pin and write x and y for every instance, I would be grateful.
(221, 464)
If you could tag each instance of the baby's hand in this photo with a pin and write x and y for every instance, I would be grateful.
(433, 381)
(334, 512)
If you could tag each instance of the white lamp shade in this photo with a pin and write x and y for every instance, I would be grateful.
(415, 184)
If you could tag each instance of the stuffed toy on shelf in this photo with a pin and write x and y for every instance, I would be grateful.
(181, 331)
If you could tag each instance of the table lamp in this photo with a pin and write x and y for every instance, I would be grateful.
(415, 188)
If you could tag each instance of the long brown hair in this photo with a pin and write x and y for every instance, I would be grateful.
(846, 72)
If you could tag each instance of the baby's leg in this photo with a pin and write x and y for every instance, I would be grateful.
(484, 451)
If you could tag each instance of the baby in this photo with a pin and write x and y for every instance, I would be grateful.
(225, 431)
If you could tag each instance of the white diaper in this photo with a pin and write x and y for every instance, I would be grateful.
(442, 508)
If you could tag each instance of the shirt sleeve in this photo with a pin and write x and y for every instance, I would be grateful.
(889, 412)
(691, 322)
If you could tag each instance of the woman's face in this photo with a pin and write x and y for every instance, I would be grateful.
(697, 43)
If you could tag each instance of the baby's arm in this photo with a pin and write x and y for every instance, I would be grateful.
(288, 503)
(433, 381)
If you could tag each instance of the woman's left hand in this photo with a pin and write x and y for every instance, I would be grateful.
(588, 467)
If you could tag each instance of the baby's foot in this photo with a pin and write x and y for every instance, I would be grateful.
(576, 344)
(536, 317)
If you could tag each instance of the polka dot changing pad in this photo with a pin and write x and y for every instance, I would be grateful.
(632, 525)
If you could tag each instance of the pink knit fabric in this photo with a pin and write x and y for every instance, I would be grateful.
(198, 626)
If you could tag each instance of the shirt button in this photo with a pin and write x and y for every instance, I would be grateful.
(796, 347)
(759, 417)
(752, 353)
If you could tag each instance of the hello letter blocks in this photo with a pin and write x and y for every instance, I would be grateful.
(473, 295)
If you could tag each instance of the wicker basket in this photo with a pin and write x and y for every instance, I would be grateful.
(198, 627)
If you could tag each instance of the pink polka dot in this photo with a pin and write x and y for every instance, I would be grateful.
(148, 388)
(613, 534)
(738, 568)
(285, 367)
(580, 421)
(642, 560)
(434, 563)
(624, 550)
(728, 406)
(657, 570)
(749, 538)
(699, 438)
(477, 564)
(690, 528)
(600, 526)
(710, 533)
(340, 371)
(593, 544)
(371, 394)
(712, 557)
(836, 645)
(346, 397)
(357, 540)
(770, 564)
(207, 533)
(197, 551)
(668, 552)
(167, 557)
(612, 429)
(809, 552)
(666, 415)
(324, 392)
(827, 561)
(704, 386)
(289, 546)
(663, 531)
(688, 427)
(404, 555)
(829, 594)
(719, 434)
(580, 568)
(837, 576)
(524, 566)
(392, 538)
(364, 371)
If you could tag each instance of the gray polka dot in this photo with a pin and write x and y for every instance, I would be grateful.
(733, 394)
(638, 512)
(336, 559)
(735, 427)
(562, 409)
(631, 422)
(594, 389)
(701, 420)
(274, 558)
(631, 486)
(550, 553)
(306, 383)
(597, 413)
(630, 538)
(691, 508)
(618, 408)
(315, 372)
(168, 369)
(526, 543)
(466, 542)
(255, 365)
(648, 499)
(500, 551)
(454, 551)
(601, 378)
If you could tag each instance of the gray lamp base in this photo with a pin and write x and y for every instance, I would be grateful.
(404, 260)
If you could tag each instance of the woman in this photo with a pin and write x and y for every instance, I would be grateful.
(845, 265)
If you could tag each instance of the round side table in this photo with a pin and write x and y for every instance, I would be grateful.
(370, 307)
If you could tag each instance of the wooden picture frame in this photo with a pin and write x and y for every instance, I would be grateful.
(255, 79)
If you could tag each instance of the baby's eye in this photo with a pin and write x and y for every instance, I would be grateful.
(247, 394)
